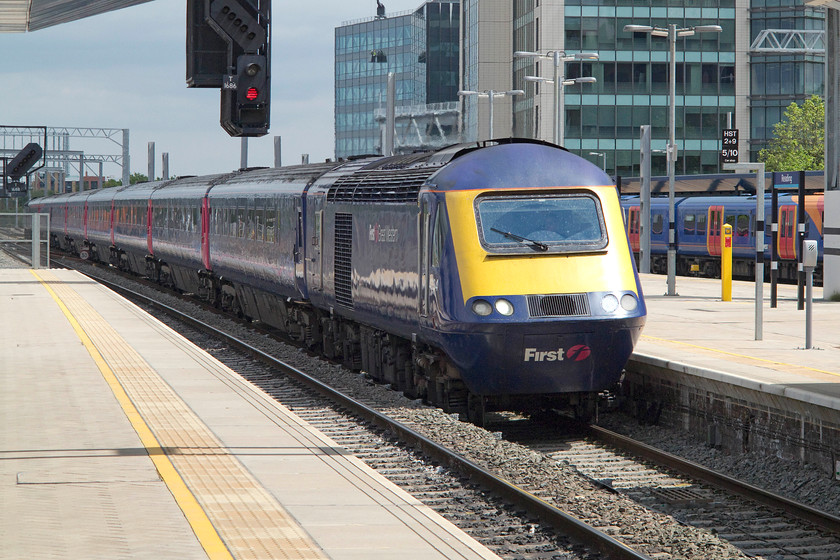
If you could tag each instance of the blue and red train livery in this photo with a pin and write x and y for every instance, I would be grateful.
(699, 221)
(492, 275)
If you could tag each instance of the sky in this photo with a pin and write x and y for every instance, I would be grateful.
(127, 69)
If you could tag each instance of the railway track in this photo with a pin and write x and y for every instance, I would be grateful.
(523, 489)
(760, 523)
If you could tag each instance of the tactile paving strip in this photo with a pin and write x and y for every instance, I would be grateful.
(252, 524)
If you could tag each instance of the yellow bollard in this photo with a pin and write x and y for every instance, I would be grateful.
(726, 263)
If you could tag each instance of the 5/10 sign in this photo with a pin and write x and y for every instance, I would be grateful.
(729, 145)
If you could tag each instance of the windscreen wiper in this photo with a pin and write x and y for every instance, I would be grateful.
(535, 244)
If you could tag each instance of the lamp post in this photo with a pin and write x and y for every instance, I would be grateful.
(559, 58)
(672, 32)
(491, 94)
(602, 155)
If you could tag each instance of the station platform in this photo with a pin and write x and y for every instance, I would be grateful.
(121, 439)
(697, 333)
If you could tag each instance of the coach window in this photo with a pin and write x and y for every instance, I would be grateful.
(259, 222)
(743, 225)
(252, 221)
(656, 224)
(689, 224)
(277, 222)
(232, 219)
(730, 219)
(701, 224)
(270, 221)
(240, 220)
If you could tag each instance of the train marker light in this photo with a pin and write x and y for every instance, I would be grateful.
(252, 94)
(629, 302)
(504, 307)
(609, 303)
(482, 308)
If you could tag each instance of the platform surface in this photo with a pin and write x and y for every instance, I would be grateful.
(121, 439)
(697, 331)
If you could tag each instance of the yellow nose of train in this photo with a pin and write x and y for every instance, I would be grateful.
(547, 298)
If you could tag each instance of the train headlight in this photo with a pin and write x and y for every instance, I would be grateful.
(609, 303)
(482, 308)
(629, 302)
(504, 307)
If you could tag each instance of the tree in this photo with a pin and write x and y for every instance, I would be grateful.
(798, 143)
(137, 178)
(134, 178)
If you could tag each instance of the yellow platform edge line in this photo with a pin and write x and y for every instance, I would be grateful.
(726, 352)
(207, 535)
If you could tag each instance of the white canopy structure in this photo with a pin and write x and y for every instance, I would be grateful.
(20, 16)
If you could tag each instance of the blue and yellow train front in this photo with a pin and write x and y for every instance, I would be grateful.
(543, 296)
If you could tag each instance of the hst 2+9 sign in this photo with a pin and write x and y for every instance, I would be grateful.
(729, 145)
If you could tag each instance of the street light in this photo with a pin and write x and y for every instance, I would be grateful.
(672, 32)
(491, 94)
(559, 58)
(603, 155)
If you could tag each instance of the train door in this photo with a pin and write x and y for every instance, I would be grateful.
(312, 241)
(205, 230)
(715, 225)
(300, 246)
(787, 232)
(424, 232)
(149, 224)
(633, 228)
(112, 220)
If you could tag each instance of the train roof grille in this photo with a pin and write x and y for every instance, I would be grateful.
(380, 186)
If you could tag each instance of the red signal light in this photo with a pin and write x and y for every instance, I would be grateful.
(252, 94)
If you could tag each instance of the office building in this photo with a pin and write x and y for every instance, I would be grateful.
(734, 72)
(421, 48)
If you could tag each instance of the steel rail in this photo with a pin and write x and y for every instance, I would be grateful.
(807, 513)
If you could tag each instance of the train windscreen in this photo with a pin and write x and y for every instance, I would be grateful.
(556, 223)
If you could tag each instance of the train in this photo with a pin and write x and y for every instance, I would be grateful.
(483, 276)
(698, 223)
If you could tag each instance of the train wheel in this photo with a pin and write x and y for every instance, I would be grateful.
(84, 254)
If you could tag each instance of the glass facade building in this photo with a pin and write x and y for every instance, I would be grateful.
(365, 52)
(442, 50)
(632, 81)
(716, 74)
(779, 79)
(420, 47)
